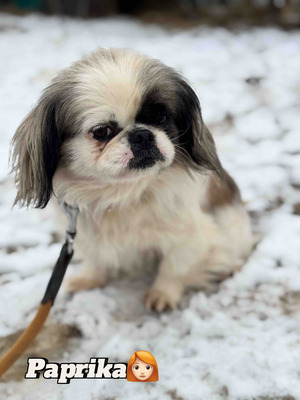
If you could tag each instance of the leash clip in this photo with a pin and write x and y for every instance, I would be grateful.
(71, 213)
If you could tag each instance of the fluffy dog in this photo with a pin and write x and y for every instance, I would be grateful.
(121, 136)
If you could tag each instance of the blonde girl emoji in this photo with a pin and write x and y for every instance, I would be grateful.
(142, 367)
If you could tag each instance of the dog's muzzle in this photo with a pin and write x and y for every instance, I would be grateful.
(145, 151)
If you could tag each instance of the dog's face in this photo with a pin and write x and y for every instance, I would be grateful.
(114, 116)
(125, 126)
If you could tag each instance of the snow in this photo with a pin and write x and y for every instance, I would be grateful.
(257, 125)
(241, 342)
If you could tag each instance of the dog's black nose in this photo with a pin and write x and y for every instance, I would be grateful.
(141, 138)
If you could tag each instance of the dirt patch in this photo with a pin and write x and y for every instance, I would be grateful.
(50, 343)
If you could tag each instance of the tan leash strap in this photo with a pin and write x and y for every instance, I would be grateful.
(26, 338)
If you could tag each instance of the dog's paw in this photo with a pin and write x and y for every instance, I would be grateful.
(158, 301)
(85, 282)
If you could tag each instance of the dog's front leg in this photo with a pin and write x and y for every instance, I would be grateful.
(93, 274)
(89, 278)
(172, 278)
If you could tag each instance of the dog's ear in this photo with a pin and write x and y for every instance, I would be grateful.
(35, 151)
(196, 145)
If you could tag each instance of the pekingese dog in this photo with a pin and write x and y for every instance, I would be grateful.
(121, 135)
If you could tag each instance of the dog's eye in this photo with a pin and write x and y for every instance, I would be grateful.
(102, 132)
(162, 119)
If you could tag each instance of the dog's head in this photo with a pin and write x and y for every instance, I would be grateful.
(112, 117)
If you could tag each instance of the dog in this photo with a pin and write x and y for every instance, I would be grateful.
(121, 136)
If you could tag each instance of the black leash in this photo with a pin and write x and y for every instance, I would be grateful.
(65, 256)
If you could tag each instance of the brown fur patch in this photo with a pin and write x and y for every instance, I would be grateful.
(222, 191)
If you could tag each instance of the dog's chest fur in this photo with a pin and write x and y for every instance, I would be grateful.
(165, 213)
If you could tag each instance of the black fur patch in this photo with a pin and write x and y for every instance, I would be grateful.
(193, 136)
(146, 159)
(152, 110)
(51, 142)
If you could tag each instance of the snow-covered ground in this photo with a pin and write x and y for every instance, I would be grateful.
(241, 342)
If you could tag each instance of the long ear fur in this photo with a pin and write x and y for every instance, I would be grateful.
(197, 145)
(35, 151)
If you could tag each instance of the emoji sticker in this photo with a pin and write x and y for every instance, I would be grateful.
(142, 367)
